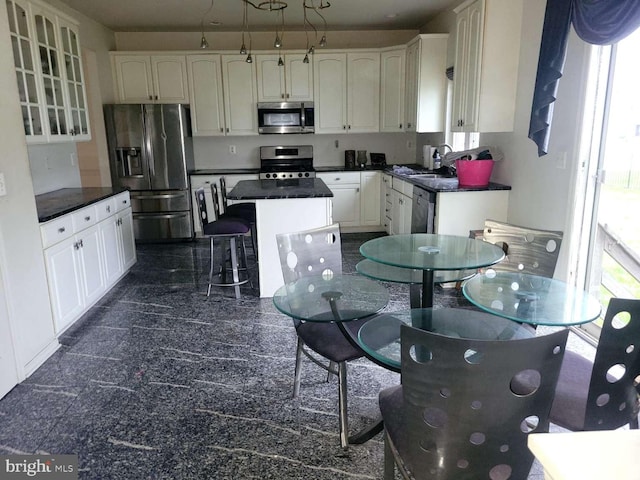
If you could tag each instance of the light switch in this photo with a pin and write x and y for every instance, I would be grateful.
(3, 187)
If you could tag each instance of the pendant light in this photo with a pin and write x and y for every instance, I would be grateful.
(203, 40)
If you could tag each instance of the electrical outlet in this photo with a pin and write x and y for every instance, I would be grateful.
(3, 187)
(337, 143)
(232, 149)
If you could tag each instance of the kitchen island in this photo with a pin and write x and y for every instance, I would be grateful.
(282, 206)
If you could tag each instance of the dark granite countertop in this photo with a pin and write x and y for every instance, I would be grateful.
(224, 171)
(440, 184)
(274, 189)
(66, 200)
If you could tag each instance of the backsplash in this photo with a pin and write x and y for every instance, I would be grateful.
(213, 152)
(54, 166)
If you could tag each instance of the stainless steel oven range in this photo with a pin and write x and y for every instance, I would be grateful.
(286, 162)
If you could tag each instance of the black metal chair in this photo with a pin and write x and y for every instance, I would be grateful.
(455, 416)
(527, 250)
(603, 394)
(315, 252)
(244, 210)
(227, 228)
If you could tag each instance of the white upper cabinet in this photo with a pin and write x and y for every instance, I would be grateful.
(330, 92)
(486, 65)
(207, 101)
(426, 83)
(363, 92)
(290, 82)
(347, 92)
(77, 107)
(47, 59)
(151, 78)
(240, 95)
(392, 90)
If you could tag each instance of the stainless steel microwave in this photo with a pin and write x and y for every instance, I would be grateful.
(285, 117)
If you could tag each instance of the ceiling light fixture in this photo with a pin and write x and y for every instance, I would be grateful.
(245, 29)
(203, 40)
(316, 6)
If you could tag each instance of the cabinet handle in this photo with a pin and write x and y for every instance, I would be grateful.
(227, 129)
(287, 95)
(349, 127)
(221, 129)
(150, 97)
(156, 97)
(61, 230)
(124, 202)
(282, 95)
(400, 125)
(108, 208)
(76, 245)
(358, 190)
(87, 218)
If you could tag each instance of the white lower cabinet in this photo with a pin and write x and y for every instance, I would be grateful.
(356, 198)
(401, 206)
(84, 262)
(119, 245)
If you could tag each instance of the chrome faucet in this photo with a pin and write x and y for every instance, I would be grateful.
(445, 145)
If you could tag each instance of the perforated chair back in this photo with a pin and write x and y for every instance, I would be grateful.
(223, 193)
(613, 396)
(458, 417)
(311, 252)
(527, 250)
(216, 201)
(202, 208)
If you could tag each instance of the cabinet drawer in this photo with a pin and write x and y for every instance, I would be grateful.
(340, 178)
(84, 218)
(56, 230)
(403, 187)
(123, 200)
(106, 208)
(203, 181)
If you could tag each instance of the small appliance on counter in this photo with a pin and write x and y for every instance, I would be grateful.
(378, 160)
(349, 159)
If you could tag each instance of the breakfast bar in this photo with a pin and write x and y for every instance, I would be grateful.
(282, 206)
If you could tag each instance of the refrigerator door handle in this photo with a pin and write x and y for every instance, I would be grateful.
(160, 196)
(148, 144)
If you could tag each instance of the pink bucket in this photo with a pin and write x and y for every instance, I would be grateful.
(474, 173)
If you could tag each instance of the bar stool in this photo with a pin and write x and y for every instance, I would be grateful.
(244, 210)
(227, 228)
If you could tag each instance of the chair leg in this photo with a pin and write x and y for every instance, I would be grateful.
(234, 265)
(254, 240)
(332, 366)
(389, 462)
(298, 370)
(342, 404)
(211, 266)
(243, 248)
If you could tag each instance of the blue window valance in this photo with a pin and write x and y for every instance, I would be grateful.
(600, 22)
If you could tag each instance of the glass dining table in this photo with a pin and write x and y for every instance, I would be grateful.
(531, 299)
(418, 256)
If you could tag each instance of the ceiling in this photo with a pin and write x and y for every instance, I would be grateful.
(186, 15)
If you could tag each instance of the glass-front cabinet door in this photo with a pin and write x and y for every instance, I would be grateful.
(22, 43)
(79, 117)
(50, 68)
(48, 64)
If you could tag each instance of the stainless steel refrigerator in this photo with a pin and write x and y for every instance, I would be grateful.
(150, 153)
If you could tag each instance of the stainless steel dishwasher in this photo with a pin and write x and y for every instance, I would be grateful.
(423, 211)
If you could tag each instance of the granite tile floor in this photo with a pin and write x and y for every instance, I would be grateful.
(157, 381)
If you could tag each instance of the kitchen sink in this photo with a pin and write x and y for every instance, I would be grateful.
(428, 175)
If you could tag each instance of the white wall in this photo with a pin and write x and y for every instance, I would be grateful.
(21, 260)
(542, 195)
(213, 152)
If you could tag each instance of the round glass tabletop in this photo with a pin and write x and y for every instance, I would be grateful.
(426, 251)
(531, 299)
(388, 273)
(380, 336)
(309, 298)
